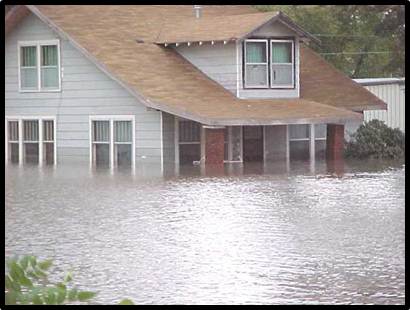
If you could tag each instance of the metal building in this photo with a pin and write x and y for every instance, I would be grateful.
(391, 91)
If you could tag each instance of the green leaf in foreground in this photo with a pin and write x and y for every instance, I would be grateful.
(126, 302)
(46, 264)
(85, 295)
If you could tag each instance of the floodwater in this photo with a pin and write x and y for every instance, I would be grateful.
(246, 235)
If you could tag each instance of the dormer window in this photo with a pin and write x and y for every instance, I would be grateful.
(282, 64)
(269, 63)
(256, 64)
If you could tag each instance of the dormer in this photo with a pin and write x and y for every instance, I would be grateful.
(251, 55)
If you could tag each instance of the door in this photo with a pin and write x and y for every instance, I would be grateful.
(253, 143)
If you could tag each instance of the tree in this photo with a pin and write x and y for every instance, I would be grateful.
(358, 31)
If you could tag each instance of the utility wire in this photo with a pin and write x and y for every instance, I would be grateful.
(344, 35)
(356, 53)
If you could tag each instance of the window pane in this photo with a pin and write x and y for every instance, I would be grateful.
(102, 154)
(320, 149)
(189, 153)
(28, 78)
(299, 131)
(48, 130)
(123, 154)
(281, 52)
(299, 150)
(49, 77)
(49, 153)
(255, 52)
(123, 131)
(281, 74)
(13, 131)
(30, 130)
(101, 131)
(189, 131)
(14, 153)
(320, 130)
(31, 153)
(28, 56)
(49, 55)
(256, 75)
(226, 143)
(236, 142)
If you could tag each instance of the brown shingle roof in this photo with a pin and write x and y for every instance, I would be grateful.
(220, 28)
(168, 82)
(322, 82)
(212, 28)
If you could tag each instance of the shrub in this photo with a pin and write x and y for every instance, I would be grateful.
(26, 283)
(375, 140)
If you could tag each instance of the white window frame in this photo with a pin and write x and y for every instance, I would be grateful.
(180, 120)
(305, 139)
(277, 63)
(111, 119)
(40, 141)
(257, 63)
(38, 45)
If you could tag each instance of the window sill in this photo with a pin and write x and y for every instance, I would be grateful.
(40, 91)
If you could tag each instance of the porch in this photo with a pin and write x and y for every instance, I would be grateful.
(195, 143)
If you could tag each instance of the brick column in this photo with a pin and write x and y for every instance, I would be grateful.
(214, 146)
(334, 141)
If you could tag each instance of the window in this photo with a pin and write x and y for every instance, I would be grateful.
(31, 140)
(320, 140)
(256, 63)
(282, 74)
(226, 143)
(48, 142)
(299, 140)
(101, 143)
(123, 143)
(28, 68)
(39, 64)
(13, 141)
(112, 141)
(189, 141)
(278, 67)
(299, 144)
(49, 67)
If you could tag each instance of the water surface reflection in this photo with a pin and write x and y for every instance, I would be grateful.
(247, 234)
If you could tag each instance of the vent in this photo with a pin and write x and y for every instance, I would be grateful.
(198, 11)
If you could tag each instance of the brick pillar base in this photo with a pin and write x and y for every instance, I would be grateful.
(214, 146)
(334, 142)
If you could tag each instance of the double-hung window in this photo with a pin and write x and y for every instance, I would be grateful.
(256, 63)
(112, 141)
(39, 66)
(269, 63)
(31, 140)
(13, 141)
(282, 67)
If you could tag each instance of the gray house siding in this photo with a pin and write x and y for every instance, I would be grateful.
(85, 91)
(217, 61)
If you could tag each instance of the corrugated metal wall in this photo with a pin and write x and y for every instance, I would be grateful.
(394, 96)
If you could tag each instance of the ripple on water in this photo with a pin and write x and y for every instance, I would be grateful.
(289, 238)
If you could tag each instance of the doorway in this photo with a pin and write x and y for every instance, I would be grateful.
(253, 143)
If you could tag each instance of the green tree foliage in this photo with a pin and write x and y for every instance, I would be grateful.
(26, 283)
(375, 140)
(351, 29)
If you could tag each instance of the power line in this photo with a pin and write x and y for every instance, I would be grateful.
(344, 35)
(356, 53)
